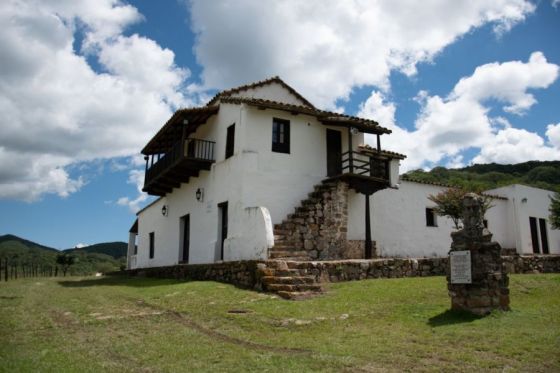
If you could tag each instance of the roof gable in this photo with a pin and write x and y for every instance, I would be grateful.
(273, 89)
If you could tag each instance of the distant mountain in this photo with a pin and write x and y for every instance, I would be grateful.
(27, 243)
(115, 249)
(104, 257)
(539, 174)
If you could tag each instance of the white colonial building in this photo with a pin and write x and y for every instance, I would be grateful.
(259, 173)
(404, 223)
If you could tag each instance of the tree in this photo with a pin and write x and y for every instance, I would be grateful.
(554, 209)
(450, 203)
(65, 261)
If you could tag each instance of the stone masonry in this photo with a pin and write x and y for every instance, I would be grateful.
(488, 289)
(301, 279)
(317, 229)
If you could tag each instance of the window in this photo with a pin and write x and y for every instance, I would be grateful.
(280, 135)
(485, 223)
(151, 245)
(430, 217)
(230, 139)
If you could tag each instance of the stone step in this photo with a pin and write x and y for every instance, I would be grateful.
(286, 246)
(296, 287)
(290, 272)
(297, 295)
(296, 258)
(297, 265)
(290, 280)
(273, 254)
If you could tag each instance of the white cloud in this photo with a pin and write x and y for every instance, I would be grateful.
(553, 134)
(81, 245)
(57, 111)
(326, 48)
(513, 145)
(507, 82)
(445, 127)
(135, 177)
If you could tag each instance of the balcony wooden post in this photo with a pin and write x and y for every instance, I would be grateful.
(350, 155)
(368, 251)
(378, 144)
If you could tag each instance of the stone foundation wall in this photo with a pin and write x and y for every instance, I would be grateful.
(239, 273)
(532, 263)
(355, 249)
(244, 273)
(326, 227)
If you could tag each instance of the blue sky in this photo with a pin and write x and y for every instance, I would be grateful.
(113, 71)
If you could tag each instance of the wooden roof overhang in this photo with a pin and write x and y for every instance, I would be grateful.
(134, 228)
(173, 128)
(325, 117)
(362, 125)
(366, 149)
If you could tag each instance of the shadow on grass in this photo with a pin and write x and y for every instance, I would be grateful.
(117, 281)
(451, 317)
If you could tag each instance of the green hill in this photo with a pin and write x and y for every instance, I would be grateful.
(115, 249)
(25, 253)
(539, 174)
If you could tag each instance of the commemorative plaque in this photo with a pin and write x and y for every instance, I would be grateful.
(460, 263)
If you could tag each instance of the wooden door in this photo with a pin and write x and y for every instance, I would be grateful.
(534, 235)
(544, 236)
(223, 209)
(186, 220)
(334, 153)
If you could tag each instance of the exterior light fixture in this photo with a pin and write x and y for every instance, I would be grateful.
(354, 130)
(199, 194)
(185, 121)
(524, 200)
(164, 210)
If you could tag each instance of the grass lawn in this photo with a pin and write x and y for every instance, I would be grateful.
(118, 324)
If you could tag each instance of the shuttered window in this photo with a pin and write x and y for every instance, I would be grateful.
(280, 135)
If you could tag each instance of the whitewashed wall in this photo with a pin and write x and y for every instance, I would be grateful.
(280, 181)
(273, 92)
(525, 202)
(398, 219)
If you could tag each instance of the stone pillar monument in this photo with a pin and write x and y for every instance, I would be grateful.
(476, 278)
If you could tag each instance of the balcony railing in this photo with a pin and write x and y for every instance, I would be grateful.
(364, 165)
(190, 155)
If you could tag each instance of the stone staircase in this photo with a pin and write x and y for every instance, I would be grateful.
(314, 227)
(288, 281)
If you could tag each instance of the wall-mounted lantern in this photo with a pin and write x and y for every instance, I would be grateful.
(200, 194)
(165, 210)
(354, 130)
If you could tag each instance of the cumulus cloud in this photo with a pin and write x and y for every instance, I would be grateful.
(57, 110)
(447, 126)
(135, 177)
(326, 48)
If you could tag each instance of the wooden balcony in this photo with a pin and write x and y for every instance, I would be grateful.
(184, 160)
(365, 173)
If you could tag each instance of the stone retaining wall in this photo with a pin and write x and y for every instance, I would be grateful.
(245, 273)
(239, 273)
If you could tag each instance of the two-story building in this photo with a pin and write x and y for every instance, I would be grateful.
(260, 173)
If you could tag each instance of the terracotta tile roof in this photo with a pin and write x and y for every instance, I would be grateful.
(274, 79)
(326, 117)
(413, 180)
(387, 153)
